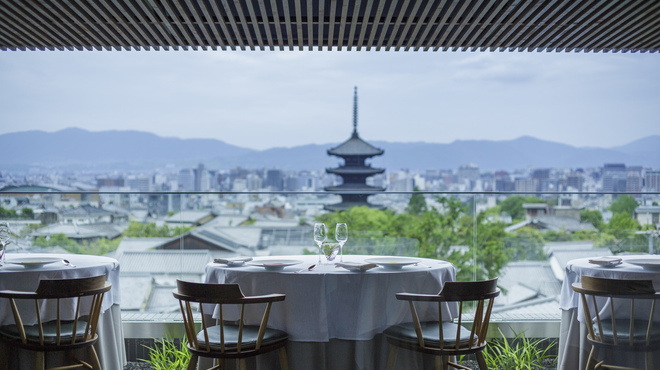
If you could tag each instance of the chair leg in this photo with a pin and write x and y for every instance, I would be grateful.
(41, 361)
(441, 362)
(94, 358)
(391, 357)
(649, 360)
(481, 360)
(591, 362)
(242, 364)
(192, 364)
(284, 360)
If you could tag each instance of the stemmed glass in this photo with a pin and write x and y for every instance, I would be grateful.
(5, 239)
(320, 235)
(341, 234)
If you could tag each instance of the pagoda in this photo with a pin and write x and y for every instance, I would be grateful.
(354, 151)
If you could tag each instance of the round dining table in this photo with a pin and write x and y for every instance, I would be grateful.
(573, 346)
(335, 316)
(22, 272)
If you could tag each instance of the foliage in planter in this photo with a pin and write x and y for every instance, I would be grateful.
(518, 353)
(165, 355)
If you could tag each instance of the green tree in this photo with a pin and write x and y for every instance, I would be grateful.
(27, 213)
(434, 232)
(417, 203)
(526, 244)
(513, 205)
(151, 230)
(624, 204)
(594, 216)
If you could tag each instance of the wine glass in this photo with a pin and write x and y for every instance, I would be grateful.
(341, 234)
(5, 239)
(320, 235)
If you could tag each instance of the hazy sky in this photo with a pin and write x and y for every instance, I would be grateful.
(268, 99)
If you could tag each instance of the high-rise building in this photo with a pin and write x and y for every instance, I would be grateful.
(274, 180)
(652, 180)
(186, 180)
(634, 180)
(575, 181)
(614, 177)
(354, 151)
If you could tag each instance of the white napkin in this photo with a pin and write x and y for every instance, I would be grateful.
(605, 260)
(356, 265)
(230, 261)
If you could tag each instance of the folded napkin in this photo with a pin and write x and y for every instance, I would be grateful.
(235, 260)
(356, 265)
(605, 260)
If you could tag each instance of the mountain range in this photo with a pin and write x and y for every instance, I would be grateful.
(75, 148)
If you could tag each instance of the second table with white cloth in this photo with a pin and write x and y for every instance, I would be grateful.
(573, 345)
(335, 316)
(22, 272)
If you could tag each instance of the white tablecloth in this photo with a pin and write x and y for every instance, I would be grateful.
(573, 346)
(344, 311)
(110, 347)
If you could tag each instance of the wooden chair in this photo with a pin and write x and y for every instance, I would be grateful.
(446, 338)
(630, 333)
(228, 341)
(64, 333)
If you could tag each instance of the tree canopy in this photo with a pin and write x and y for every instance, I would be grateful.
(513, 205)
(624, 204)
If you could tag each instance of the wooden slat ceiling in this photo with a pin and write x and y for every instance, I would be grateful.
(515, 25)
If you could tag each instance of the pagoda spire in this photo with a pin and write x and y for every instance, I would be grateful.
(355, 112)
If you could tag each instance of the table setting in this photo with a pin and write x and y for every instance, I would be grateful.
(573, 346)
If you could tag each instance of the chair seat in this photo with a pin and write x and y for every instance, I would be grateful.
(623, 331)
(431, 332)
(248, 341)
(50, 332)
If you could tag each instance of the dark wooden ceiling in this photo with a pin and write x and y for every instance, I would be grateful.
(515, 25)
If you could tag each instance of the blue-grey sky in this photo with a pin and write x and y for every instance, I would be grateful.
(264, 99)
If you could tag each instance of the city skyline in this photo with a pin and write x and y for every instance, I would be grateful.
(261, 100)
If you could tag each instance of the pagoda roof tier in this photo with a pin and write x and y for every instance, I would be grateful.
(369, 171)
(355, 146)
(354, 189)
(346, 205)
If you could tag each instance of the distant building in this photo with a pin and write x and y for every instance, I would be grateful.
(575, 181)
(634, 180)
(355, 151)
(468, 174)
(527, 185)
(652, 180)
(614, 177)
(274, 180)
(648, 215)
(186, 180)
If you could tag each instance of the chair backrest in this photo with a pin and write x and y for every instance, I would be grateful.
(63, 291)
(220, 294)
(482, 293)
(616, 292)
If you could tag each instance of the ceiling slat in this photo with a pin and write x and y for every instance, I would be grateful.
(386, 24)
(266, 22)
(85, 12)
(167, 26)
(453, 27)
(310, 24)
(375, 24)
(399, 21)
(40, 39)
(135, 22)
(418, 25)
(287, 23)
(621, 26)
(354, 23)
(35, 21)
(212, 25)
(125, 33)
(65, 12)
(439, 35)
(201, 25)
(234, 26)
(183, 27)
(299, 25)
(28, 22)
(220, 16)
